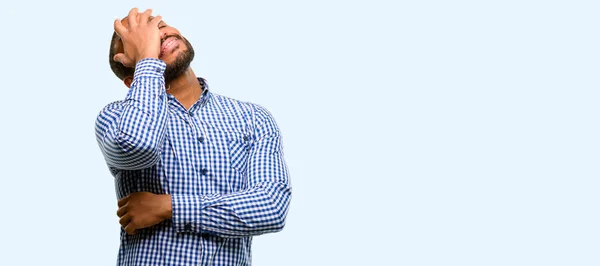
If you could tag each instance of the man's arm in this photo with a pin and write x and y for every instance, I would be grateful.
(130, 133)
(262, 208)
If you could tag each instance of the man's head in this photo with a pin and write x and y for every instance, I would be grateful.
(176, 52)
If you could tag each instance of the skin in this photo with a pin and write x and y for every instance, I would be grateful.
(143, 209)
(141, 39)
(141, 35)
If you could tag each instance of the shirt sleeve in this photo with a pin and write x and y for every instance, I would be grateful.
(130, 133)
(262, 208)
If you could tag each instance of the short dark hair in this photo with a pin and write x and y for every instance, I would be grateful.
(119, 69)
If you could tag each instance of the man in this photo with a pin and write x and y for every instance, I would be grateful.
(197, 174)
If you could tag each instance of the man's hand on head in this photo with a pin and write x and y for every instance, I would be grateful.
(140, 36)
(143, 209)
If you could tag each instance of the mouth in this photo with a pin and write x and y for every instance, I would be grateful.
(168, 46)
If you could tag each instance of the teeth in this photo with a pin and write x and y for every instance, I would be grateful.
(168, 43)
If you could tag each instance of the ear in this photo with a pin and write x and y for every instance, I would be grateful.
(128, 80)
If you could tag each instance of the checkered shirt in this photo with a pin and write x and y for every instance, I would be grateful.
(221, 161)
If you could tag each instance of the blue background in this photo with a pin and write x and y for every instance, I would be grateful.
(416, 132)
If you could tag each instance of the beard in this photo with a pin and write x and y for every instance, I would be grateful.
(181, 63)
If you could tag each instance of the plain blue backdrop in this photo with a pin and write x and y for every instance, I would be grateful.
(416, 132)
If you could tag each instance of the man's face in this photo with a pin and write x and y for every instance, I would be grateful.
(176, 51)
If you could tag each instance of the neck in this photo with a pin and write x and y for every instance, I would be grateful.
(185, 88)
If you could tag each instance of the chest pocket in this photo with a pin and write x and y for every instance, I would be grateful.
(239, 151)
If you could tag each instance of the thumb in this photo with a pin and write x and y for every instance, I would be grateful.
(123, 59)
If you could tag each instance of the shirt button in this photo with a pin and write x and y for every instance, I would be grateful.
(191, 114)
(204, 171)
(245, 138)
(188, 227)
(201, 139)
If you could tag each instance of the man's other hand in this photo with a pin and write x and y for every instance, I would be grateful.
(143, 209)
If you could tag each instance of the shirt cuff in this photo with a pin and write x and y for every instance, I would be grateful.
(150, 67)
(186, 215)
(148, 82)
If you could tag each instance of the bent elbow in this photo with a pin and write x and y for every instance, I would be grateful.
(279, 224)
(135, 156)
(280, 207)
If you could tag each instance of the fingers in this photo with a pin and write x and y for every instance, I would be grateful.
(155, 21)
(144, 17)
(125, 220)
(140, 40)
(121, 211)
(123, 59)
(126, 223)
(132, 17)
(119, 28)
(118, 57)
(122, 201)
(130, 229)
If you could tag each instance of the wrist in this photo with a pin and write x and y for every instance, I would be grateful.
(148, 55)
(167, 209)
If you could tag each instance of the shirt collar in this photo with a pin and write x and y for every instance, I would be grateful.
(206, 94)
(204, 97)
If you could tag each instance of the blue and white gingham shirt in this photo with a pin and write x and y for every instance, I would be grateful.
(221, 161)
